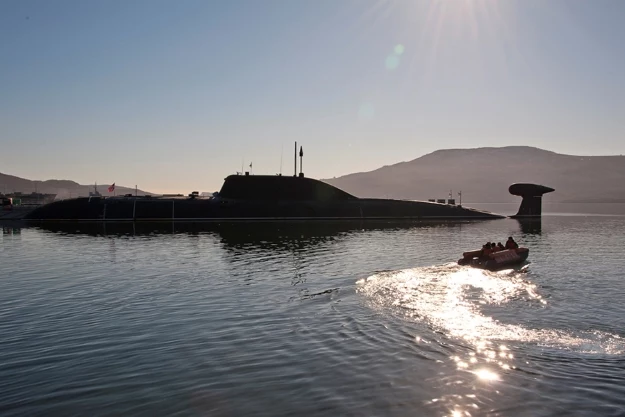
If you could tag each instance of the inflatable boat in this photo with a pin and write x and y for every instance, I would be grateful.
(495, 260)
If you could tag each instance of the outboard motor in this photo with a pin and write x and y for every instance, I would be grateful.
(532, 194)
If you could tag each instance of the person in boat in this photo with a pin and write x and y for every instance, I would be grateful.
(500, 246)
(511, 244)
(486, 250)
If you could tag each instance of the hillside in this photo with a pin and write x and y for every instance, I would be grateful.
(484, 174)
(62, 188)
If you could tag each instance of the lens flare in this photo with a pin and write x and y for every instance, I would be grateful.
(392, 62)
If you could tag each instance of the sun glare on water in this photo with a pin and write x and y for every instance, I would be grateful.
(450, 299)
(486, 375)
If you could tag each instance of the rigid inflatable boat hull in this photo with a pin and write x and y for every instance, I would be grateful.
(496, 260)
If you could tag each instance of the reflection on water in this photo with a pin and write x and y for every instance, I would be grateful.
(238, 234)
(530, 226)
(254, 232)
(11, 230)
(451, 299)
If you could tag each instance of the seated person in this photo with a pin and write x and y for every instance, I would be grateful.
(500, 246)
(511, 244)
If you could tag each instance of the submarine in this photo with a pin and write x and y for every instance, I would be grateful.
(245, 197)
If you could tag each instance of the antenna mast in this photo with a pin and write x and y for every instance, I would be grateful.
(295, 158)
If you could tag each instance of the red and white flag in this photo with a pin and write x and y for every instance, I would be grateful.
(112, 188)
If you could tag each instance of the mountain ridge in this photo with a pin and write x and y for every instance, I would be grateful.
(484, 175)
(62, 188)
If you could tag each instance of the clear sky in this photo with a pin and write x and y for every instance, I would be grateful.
(173, 95)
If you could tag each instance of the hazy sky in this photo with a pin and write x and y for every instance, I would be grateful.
(173, 95)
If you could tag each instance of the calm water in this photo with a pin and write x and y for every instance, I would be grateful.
(312, 320)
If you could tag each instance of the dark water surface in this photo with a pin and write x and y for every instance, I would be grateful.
(312, 320)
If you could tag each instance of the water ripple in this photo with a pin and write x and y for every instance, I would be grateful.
(236, 321)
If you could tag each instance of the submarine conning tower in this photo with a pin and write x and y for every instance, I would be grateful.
(532, 194)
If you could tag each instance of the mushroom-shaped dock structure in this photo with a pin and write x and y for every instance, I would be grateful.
(531, 205)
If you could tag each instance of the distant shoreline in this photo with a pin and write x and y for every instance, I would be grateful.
(554, 202)
(557, 208)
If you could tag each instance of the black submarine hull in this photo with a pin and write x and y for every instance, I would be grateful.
(269, 197)
(221, 209)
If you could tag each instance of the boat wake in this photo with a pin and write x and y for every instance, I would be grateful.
(452, 299)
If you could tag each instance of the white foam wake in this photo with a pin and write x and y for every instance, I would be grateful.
(451, 298)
